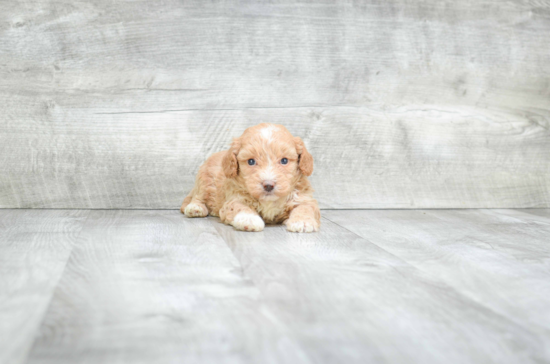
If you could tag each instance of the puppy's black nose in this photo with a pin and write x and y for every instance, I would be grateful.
(268, 186)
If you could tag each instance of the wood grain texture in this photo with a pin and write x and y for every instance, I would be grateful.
(347, 300)
(155, 287)
(455, 286)
(34, 248)
(404, 104)
(498, 258)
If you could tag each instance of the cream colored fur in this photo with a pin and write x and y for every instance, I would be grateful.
(229, 187)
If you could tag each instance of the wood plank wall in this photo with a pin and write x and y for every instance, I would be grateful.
(404, 104)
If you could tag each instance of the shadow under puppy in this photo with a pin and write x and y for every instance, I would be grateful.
(262, 177)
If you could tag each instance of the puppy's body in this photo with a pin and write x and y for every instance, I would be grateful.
(262, 177)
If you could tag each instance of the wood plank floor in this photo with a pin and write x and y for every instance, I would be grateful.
(381, 286)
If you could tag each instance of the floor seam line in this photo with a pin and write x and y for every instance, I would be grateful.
(35, 336)
(262, 301)
(465, 295)
(367, 240)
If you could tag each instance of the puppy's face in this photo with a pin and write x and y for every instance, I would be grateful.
(269, 160)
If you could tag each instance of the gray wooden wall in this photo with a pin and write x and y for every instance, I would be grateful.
(404, 104)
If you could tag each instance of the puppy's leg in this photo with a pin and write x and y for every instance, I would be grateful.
(186, 201)
(241, 216)
(193, 205)
(196, 208)
(304, 218)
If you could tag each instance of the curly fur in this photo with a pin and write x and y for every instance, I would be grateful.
(228, 187)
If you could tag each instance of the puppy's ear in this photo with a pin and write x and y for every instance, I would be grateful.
(305, 160)
(230, 164)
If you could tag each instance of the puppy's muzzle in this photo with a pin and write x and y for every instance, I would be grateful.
(268, 186)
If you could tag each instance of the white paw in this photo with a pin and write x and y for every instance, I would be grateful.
(248, 222)
(302, 226)
(195, 210)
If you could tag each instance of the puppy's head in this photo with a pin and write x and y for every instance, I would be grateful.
(269, 160)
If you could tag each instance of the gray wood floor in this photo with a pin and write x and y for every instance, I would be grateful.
(140, 286)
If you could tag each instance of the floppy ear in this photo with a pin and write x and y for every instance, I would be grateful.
(229, 162)
(305, 160)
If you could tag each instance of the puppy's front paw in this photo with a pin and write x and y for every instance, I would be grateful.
(302, 226)
(246, 221)
(196, 210)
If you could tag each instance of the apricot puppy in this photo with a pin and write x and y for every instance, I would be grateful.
(261, 178)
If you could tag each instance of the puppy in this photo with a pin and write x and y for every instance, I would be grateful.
(261, 178)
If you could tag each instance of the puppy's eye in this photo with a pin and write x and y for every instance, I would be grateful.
(251, 162)
(284, 161)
